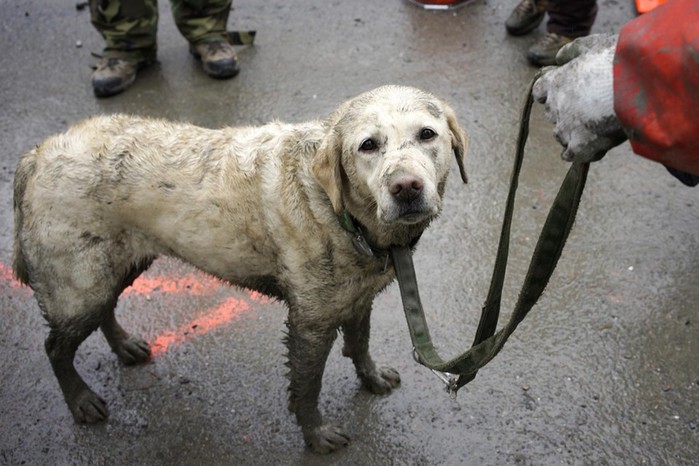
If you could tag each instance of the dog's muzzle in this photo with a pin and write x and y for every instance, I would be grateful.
(407, 192)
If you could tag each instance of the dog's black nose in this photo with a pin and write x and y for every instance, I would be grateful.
(406, 188)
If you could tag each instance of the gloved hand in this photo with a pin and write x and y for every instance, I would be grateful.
(579, 98)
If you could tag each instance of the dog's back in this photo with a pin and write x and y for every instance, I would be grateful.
(161, 188)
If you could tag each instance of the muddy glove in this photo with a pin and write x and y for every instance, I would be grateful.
(579, 98)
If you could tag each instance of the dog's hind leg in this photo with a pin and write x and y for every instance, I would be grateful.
(378, 380)
(130, 349)
(66, 334)
(77, 283)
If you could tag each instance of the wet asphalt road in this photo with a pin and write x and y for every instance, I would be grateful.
(603, 371)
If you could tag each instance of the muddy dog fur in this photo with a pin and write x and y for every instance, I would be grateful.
(255, 206)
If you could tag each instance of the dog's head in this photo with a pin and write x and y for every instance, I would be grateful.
(390, 148)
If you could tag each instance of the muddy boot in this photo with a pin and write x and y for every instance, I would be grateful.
(114, 75)
(218, 58)
(526, 17)
(543, 53)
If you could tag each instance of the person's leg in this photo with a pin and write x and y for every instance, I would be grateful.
(526, 17)
(203, 24)
(129, 30)
(202, 20)
(568, 19)
(571, 18)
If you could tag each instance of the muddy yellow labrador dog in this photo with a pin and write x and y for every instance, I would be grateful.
(297, 211)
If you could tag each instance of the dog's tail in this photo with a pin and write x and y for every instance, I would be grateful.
(25, 169)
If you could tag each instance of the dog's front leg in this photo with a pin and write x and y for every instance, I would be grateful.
(309, 346)
(378, 380)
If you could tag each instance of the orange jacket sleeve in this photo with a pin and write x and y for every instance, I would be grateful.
(656, 84)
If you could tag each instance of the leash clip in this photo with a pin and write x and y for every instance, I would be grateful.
(361, 245)
(450, 380)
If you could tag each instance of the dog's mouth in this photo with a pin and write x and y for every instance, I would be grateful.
(412, 219)
(412, 213)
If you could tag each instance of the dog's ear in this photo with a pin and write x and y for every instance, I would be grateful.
(326, 166)
(459, 141)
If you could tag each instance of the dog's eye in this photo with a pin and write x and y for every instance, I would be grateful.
(427, 133)
(368, 145)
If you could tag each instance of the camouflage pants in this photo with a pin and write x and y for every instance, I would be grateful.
(129, 27)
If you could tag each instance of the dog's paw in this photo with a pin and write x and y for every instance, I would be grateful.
(382, 381)
(132, 350)
(326, 438)
(88, 408)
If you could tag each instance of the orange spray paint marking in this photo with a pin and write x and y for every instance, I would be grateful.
(188, 285)
(230, 309)
(7, 275)
(195, 285)
(259, 298)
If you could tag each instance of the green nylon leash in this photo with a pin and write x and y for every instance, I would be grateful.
(487, 343)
